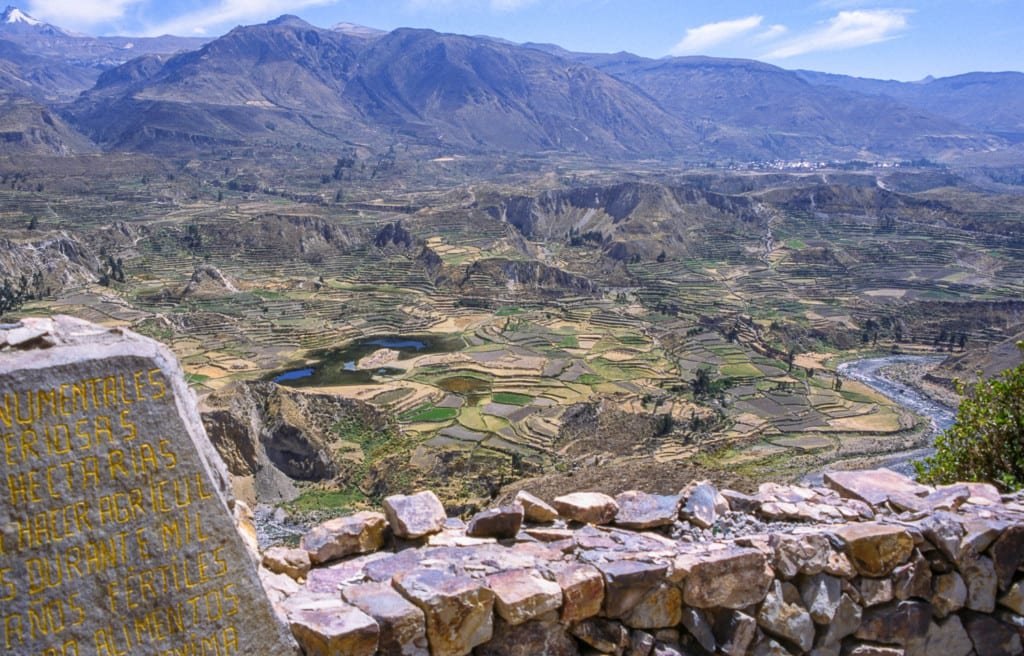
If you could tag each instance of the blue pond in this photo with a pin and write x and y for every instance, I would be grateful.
(294, 374)
(398, 343)
(338, 366)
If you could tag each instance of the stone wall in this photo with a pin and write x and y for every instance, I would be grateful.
(872, 564)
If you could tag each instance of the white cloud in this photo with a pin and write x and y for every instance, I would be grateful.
(494, 5)
(845, 30)
(771, 32)
(79, 13)
(510, 5)
(700, 39)
(843, 4)
(226, 13)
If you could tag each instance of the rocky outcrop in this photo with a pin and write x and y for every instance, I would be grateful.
(269, 435)
(394, 236)
(871, 577)
(60, 258)
(208, 280)
(629, 221)
(310, 238)
(31, 128)
(513, 276)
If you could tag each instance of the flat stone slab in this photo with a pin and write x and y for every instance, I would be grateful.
(403, 628)
(459, 610)
(875, 549)
(111, 487)
(626, 582)
(587, 507)
(535, 509)
(639, 510)
(730, 578)
(336, 538)
(660, 607)
(325, 625)
(582, 591)
(522, 595)
(874, 486)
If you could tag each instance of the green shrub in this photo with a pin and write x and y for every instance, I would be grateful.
(319, 500)
(986, 443)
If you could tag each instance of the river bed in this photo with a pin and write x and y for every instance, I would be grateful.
(869, 372)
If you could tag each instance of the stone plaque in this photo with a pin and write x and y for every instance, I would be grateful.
(115, 533)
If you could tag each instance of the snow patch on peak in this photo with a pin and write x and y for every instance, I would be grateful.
(15, 15)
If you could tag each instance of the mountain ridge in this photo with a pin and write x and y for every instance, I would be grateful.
(988, 100)
(44, 39)
(435, 88)
(49, 64)
(287, 81)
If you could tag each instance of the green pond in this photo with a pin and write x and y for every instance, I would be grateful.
(473, 389)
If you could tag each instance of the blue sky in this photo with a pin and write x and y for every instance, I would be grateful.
(901, 39)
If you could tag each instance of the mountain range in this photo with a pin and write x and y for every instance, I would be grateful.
(61, 64)
(287, 82)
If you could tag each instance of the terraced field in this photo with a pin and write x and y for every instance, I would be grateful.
(509, 390)
(553, 332)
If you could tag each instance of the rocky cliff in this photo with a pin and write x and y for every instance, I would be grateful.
(271, 436)
(631, 219)
(58, 257)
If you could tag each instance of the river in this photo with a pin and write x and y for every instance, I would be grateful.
(868, 371)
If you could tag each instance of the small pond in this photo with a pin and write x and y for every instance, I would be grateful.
(338, 366)
(294, 374)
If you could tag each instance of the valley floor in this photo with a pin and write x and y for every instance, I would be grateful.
(593, 329)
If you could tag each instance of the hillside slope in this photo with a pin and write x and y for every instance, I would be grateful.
(287, 79)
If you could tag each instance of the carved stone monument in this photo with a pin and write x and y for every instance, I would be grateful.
(115, 533)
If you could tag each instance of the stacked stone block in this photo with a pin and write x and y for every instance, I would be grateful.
(872, 564)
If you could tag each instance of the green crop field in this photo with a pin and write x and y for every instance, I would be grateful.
(511, 398)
